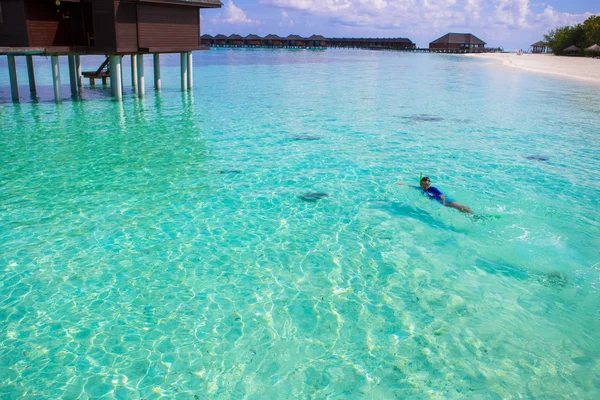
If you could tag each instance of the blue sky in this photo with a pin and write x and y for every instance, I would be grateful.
(508, 23)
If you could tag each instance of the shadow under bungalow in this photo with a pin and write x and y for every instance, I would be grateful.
(114, 28)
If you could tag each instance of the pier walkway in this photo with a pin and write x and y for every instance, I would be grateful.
(379, 48)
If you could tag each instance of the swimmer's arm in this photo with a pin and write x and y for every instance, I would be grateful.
(404, 184)
(443, 199)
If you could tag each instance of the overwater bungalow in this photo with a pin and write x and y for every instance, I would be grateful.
(207, 40)
(396, 43)
(343, 42)
(372, 43)
(220, 40)
(540, 47)
(295, 41)
(316, 41)
(253, 40)
(235, 40)
(99, 27)
(273, 40)
(458, 41)
(312, 41)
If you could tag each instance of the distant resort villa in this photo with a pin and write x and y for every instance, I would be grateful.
(458, 41)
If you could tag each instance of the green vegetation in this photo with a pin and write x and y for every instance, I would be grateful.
(580, 35)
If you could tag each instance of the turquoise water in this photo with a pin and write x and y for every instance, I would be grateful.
(160, 247)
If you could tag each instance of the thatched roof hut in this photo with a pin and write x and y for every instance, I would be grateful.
(594, 48)
(571, 50)
(540, 47)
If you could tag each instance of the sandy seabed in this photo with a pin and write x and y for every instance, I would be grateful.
(587, 69)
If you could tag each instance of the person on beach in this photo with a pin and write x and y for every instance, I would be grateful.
(435, 194)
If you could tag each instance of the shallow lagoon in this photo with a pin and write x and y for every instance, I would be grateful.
(162, 247)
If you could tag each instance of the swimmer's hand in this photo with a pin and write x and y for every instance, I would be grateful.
(400, 183)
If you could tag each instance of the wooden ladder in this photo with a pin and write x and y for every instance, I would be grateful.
(101, 73)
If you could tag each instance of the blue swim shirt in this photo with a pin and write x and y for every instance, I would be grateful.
(432, 192)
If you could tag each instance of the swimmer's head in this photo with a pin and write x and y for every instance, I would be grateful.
(425, 183)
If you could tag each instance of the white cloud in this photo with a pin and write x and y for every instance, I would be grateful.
(236, 16)
(378, 14)
(552, 19)
(513, 19)
(511, 13)
(286, 21)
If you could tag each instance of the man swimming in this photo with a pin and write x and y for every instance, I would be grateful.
(435, 194)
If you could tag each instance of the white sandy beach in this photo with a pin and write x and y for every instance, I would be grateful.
(587, 69)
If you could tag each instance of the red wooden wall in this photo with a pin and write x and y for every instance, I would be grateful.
(168, 26)
(126, 17)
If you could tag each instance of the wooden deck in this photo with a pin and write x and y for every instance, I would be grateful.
(101, 73)
(87, 51)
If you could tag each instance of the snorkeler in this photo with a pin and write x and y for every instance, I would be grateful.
(435, 194)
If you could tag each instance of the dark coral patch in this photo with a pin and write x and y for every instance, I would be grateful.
(424, 118)
(305, 137)
(556, 280)
(537, 158)
(314, 196)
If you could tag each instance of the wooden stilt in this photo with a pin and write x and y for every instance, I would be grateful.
(122, 80)
(56, 79)
(30, 72)
(116, 83)
(140, 77)
(12, 72)
(73, 76)
(184, 66)
(190, 71)
(133, 70)
(78, 71)
(157, 72)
